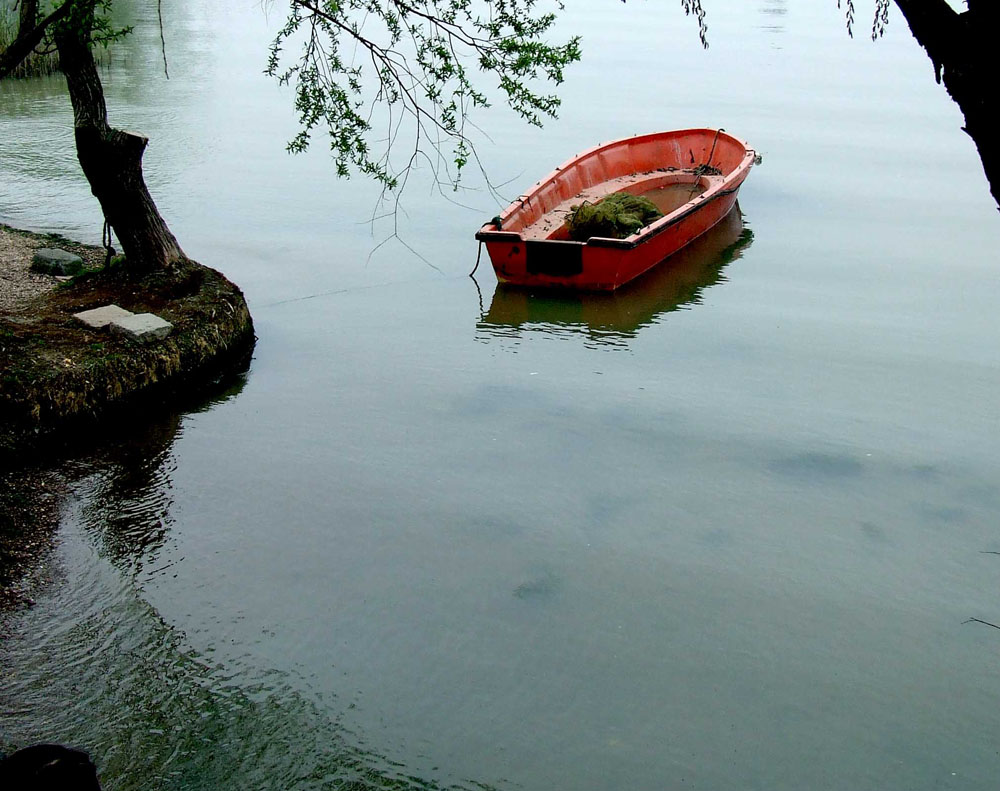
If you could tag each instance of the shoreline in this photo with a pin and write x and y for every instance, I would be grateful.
(62, 385)
(18, 284)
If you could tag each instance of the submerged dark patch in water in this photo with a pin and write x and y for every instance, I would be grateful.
(717, 537)
(818, 466)
(543, 586)
(943, 514)
(873, 533)
(604, 509)
(925, 471)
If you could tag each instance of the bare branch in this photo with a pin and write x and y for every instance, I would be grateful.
(26, 42)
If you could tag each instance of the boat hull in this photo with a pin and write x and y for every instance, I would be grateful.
(604, 264)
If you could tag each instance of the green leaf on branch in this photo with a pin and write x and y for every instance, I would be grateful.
(367, 72)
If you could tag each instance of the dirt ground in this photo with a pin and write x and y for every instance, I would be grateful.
(18, 284)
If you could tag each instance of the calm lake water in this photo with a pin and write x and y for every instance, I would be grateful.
(720, 531)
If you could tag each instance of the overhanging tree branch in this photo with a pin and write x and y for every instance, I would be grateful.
(418, 59)
(26, 41)
(962, 50)
(936, 26)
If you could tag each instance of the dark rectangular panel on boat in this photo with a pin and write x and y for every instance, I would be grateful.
(556, 259)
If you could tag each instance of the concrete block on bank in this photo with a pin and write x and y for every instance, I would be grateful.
(99, 318)
(142, 327)
(53, 261)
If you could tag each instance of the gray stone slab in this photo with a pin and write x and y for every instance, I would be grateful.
(99, 318)
(53, 261)
(142, 327)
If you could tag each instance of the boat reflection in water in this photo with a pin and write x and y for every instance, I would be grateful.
(612, 318)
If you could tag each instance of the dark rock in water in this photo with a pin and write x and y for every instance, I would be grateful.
(53, 261)
(48, 767)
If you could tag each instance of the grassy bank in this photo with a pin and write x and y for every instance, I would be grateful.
(62, 384)
(56, 375)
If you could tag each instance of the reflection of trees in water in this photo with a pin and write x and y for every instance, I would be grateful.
(97, 667)
(126, 482)
(127, 496)
(774, 12)
(960, 45)
(111, 677)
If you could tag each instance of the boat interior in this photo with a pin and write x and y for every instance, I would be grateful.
(667, 189)
(670, 170)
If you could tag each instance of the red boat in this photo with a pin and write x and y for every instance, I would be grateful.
(692, 175)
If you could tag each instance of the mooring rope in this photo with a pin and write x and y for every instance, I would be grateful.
(711, 153)
(478, 255)
(706, 166)
(479, 293)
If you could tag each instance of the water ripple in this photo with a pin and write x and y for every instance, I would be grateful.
(106, 673)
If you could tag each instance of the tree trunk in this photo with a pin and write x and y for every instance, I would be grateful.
(27, 17)
(961, 47)
(111, 158)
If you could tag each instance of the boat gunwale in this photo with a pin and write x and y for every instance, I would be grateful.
(729, 184)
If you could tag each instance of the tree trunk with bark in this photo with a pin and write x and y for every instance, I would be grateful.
(28, 17)
(111, 158)
(962, 49)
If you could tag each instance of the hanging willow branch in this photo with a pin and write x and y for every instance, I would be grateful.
(694, 7)
(163, 42)
(413, 62)
(880, 20)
